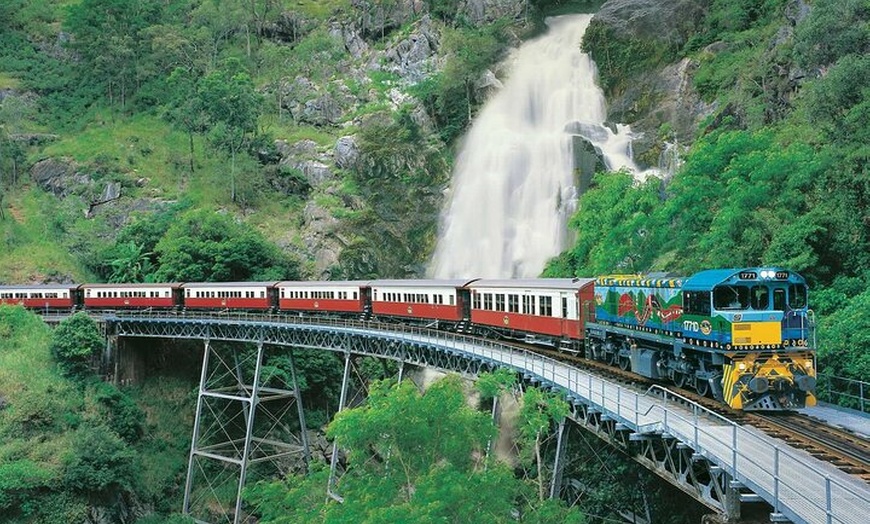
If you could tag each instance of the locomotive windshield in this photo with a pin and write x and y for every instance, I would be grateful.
(760, 297)
(731, 297)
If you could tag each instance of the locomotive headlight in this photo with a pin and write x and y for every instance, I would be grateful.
(741, 366)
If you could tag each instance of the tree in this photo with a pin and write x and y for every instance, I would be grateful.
(186, 110)
(412, 457)
(231, 105)
(74, 344)
(205, 246)
(110, 39)
(130, 263)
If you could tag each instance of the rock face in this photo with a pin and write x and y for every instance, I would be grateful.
(677, 106)
(661, 106)
(346, 152)
(670, 21)
(485, 11)
(379, 18)
(413, 57)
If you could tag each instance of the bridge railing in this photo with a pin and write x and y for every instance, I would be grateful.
(794, 484)
(845, 392)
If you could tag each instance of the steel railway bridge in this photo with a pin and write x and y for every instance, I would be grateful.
(719, 463)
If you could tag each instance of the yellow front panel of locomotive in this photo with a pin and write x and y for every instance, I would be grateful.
(756, 333)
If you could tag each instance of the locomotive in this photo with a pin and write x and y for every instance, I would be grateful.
(742, 336)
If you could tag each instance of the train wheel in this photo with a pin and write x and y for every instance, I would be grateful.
(702, 386)
(679, 379)
(624, 363)
(610, 358)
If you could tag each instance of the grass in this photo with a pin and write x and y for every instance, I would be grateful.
(30, 251)
(8, 81)
(140, 146)
(320, 9)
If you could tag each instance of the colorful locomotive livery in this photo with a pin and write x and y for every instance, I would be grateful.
(739, 335)
(742, 335)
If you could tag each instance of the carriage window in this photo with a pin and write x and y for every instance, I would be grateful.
(528, 305)
(731, 297)
(475, 300)
(797, 296)
(779, 299)
(546, 306)
(513, 303)
(499, 302)
(451, 299)
(564, 307)
(487, 301)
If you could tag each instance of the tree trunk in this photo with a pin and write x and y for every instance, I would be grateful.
(190, 142)
(540, 469)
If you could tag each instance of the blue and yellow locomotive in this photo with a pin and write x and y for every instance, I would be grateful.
(742, 335)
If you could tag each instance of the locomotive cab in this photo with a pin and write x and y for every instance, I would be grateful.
(759, 317)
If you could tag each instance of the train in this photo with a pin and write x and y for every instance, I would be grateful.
(742, 336)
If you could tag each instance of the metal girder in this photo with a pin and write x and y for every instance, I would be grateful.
(311, 336)
(668, 458)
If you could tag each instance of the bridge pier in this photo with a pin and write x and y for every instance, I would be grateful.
(342, 399)
(227, 440)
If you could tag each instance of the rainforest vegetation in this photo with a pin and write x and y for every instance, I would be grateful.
(199, 140)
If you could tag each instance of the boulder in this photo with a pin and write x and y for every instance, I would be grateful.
(303, 156)
(353, 40)
(346, 153)
(59, 176)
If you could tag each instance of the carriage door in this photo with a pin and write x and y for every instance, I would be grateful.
(365, 299)
(463, 303)
(564, 316)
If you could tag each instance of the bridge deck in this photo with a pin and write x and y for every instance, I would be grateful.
(798, 486)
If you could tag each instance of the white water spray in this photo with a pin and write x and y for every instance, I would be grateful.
(514, 183)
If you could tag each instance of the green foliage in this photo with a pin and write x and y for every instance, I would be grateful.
(412, 458)
(494, 384)
(836, 28)
(414, 430)
(205, 246)
(844, 335)
(98, 461)
(613, 226)
(121, 413)
(110, 39)
(74, 344)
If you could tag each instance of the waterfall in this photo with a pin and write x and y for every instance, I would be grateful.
(513, 186)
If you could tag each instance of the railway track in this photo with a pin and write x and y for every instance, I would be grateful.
(839, 447)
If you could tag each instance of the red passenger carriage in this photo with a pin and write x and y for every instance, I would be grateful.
(51, 296)
(553, 307)
(230, 295)
(112, 296)
(425, 299)
(337, 296)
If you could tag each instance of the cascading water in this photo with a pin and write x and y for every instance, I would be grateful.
(514, 183)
